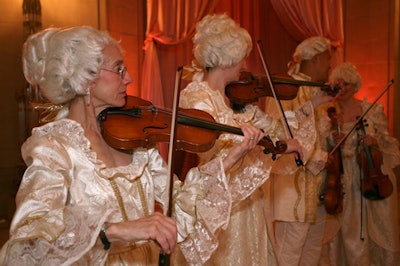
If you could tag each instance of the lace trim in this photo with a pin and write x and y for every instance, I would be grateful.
(117, 194)
(143, 199)
(70, 128)
(309, 199)
(121, 204)
(296, 205)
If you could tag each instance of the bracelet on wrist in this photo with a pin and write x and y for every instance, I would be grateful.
(103, 236)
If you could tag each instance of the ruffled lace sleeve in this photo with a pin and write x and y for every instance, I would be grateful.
(43, 221)
(203, 205)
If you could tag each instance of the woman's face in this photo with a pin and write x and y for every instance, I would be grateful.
(109, 89)
(347, 90)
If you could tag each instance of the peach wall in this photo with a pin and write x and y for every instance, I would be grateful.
(369, 44)
(126, 23)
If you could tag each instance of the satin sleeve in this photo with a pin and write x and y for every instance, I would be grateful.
(43, 221)
(202, 206)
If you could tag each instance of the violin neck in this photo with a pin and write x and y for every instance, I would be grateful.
(367, 149)
(368, 155)
(202, 123)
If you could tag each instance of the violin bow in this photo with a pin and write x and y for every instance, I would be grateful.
(361, 117)
(164, 259)
(288, 132)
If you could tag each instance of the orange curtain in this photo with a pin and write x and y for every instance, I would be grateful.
(170, 27)
(279, 24)
(304, 18)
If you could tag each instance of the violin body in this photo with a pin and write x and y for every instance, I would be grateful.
(374, 184)
(333, 197)
(250, 88)
(140, 124)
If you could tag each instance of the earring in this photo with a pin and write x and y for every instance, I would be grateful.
(87, 97)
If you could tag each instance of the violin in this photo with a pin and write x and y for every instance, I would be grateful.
(250, 88)
(333, 196)
(374, 184)
(139, 124)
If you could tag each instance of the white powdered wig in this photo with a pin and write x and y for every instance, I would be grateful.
(348, 73)
(63, 62)
(306, 50)
(220, 42)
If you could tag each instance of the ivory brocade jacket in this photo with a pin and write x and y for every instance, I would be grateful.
(244, 240)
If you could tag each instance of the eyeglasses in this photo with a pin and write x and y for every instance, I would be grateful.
(121, 71)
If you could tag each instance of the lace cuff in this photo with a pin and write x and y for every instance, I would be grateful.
(204, 195)
(203, 205)
(77, 244)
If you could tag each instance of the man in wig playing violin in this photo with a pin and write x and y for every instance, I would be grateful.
(294, 206)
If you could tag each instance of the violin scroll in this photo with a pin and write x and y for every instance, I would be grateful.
(280, 147)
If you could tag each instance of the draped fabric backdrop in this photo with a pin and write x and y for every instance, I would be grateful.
(171, 25)
(304, 18)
